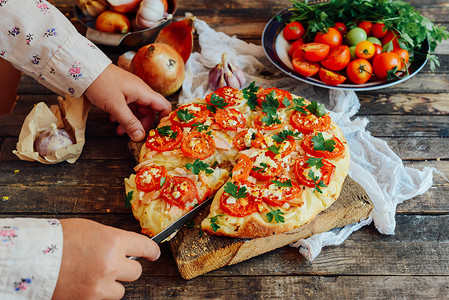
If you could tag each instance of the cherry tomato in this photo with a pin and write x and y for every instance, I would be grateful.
(198, 145)
(280, 95)
(367, 26)
(309, 146)
(365, 49)
(391, 36)
(149, 177)
(189, 114)
(338, 58)
(241, 207)
(230, 119)
(293, 31)
(261, 125)
(403, 55)
(264, 167)
(302, 170)
(355, 36)
(379, 30)
(242, 168)
(374, 40)
(304, 67)
(359, 71)
(352, 52)
(230, 95)
(341, 27)
(377, 50)
(181, 192)
(274, 195)
(330, 77)
(161, 140)
(295, 46)
(310, 123)
(332, 37)
(244, 140)
(315, 51)
(385, 62)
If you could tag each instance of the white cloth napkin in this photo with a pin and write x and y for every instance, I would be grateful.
(373, 164)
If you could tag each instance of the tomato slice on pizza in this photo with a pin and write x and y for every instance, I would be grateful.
(238, 202)
(189, 114)
(308, 123)
(230, 119)
(249, 138)
(280, 149)
(230, 95)
(242, 168)
(198, 145)
(310, 171)
(278, 191)
(280, 96)
(319, 145)
(261, 124)
(181, 192)
(164, 138)
(264, 167)
(149, 177)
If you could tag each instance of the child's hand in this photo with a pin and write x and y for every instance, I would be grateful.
(128, 99)
(94, 260)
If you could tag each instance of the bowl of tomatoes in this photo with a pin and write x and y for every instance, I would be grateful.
(363, 56)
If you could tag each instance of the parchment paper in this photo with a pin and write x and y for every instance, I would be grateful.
(70, 114)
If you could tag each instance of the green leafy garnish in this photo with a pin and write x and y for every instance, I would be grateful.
(197, 166)
(298, 105)
(319, 143)
(276, 215)
(316, 109)
(287, 183)
(200, 127)
(274, 149)
(315, 162)
(250, 94)
(216, 102)
(234, 191)
(128, 199)
(213, 223)
(315, 179)
(163, 179)
(271, 119)
(280, 137)
(269, 107)
(261, 169)
(184, 115)
(167, 131)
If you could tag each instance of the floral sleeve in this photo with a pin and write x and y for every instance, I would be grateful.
(39, 40)
(30, 257)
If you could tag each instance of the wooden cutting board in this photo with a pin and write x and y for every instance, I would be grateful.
(197, 253)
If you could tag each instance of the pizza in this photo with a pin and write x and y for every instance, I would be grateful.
(271, 160)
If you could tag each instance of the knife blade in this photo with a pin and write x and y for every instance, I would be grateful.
(165, 233)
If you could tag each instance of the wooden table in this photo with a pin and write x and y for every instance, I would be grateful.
(412, 117)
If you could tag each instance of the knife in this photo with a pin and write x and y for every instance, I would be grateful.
(165, 233)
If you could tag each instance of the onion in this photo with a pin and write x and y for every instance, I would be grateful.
(160, 66)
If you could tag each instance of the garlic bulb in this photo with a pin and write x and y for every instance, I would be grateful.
(51, 140)
(226, 74)
(150, 13)
(92, 8)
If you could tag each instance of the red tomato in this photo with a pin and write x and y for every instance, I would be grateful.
(338, 58)
(379, 30)
(385, 62)
(365, 49)
(261, 125)
(366, 25)
(391, 35)
(310, 123)
(198, 145)
(295, 46)
(293, 31)
(181, 192)
(301, 167)
(230, 95)
(309, 147)
(377, 50)
(242, 206)
(285, 148)
(330, 77)
(359, 71)
(304, 67)
(332, 37)
(262, 172)
(148, 178)
(315, 51)
(194, 115)
(341, 27)
(255, 140)
(280, 95)
(274, 195)
(230, 119)
(403, 55)
(161, 140)
(242, 168)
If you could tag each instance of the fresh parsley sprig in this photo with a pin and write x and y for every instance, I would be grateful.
(277, 215)
(198, 166)
(216, 102)
(269, 107)
(315, 162)
(235, 191)
(213, 223)
(128, 198)
(316, 108)
(262, 168)
(287, 183)
(184, 115)
(167, 131)
(316, 179)
(280, 137)
(298, 104)
(250, 94)
(320, 143)
(200, 127)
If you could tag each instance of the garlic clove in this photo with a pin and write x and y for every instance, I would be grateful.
(231, 80)
(214, 76)
(51, 140)
(226, 74)
(238, 73)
